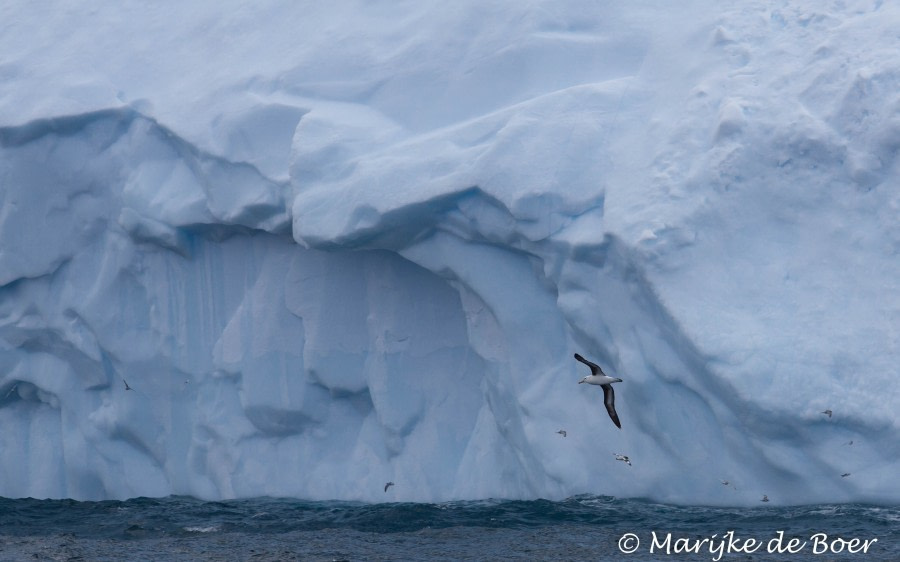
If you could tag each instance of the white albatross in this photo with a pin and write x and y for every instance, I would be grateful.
(598, 377)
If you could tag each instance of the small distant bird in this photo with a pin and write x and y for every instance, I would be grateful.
(388, 485)
(126, 385)
(765, 498)
(623, 458)
(724, 482)
(562, 432)
(850, 443)
(598, 377)
(827, 413)
(11, 390)
(844, 475)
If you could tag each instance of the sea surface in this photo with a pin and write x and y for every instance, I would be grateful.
(578, 528)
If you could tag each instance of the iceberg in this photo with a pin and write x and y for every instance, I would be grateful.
(332, 246)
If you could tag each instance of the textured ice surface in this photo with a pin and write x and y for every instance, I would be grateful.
(332, 246)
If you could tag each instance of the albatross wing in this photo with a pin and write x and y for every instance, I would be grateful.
(609, 400)
(594, 367)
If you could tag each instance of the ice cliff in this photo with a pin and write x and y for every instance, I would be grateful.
(332, 245)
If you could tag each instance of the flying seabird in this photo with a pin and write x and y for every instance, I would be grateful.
(388, 485)
(850, 443)
(126, 385)
(623, 458)
(844, 475)
(597, 376)
(725, 482)
(827, 413)
(765, 498)
(562, 432)
(11, 390)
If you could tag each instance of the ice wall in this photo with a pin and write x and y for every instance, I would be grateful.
(331, 247)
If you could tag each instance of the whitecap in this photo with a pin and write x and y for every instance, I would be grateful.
(210, 529)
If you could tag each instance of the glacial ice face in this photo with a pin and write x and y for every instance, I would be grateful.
(324, 264)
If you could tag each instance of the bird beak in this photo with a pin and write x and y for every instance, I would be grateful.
(581, 381)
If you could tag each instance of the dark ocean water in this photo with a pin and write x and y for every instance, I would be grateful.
(579, 528)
